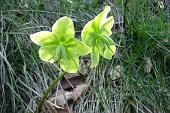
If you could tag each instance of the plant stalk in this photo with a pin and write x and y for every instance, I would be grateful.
(45, 94)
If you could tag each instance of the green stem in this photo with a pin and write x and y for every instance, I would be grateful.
(39, 106)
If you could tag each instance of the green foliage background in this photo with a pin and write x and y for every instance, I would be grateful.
(142, 30)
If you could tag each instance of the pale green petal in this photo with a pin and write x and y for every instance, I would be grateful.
(107, 26)
(96, 35)
(100, 18)
(64, 28)
(92, 29)
(87, 34)
(94, 57)
(109, 52)
(79, 48)
(64, 53)
(106, 39)
(48, 53)
(71, 64)
(69, 43)
(59, 52)
(43, 38)
(101, 44)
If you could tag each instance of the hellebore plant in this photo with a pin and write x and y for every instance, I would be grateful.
(96, 34)
(61, 46)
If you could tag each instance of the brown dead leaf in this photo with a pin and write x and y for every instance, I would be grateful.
(49, 107)
(63, 103)
(85, 66)
(61, 99)
(70, 81)
(64, 111)
(78, 91)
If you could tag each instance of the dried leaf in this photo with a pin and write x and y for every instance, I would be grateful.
(63, 103)
(70, 81)
(64, 111)
(78, 91)
(148, 65)
(61, 99)
(85, 66)
(116, 72)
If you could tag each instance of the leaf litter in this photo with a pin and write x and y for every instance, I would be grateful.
(71, 90)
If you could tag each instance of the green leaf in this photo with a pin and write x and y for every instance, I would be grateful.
(70, 65)
(44, 38)
(64, 28)
(94, 57)
(80, 48)
(48, 53)
(109, 51)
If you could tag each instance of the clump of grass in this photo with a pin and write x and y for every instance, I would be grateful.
(145, 32)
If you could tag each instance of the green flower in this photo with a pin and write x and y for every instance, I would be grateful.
(96, 34)
(60, 45)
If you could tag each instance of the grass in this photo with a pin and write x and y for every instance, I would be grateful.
(143, 56)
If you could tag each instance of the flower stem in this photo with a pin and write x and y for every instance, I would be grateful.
(39, 106)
